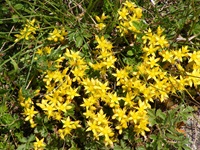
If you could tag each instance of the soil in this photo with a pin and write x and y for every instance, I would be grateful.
(192, 129)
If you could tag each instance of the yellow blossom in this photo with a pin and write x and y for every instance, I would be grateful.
(28, 31)
(123, 13)
(30, 113)
(39, 144)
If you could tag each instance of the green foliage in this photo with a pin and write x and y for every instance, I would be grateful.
(166, 136)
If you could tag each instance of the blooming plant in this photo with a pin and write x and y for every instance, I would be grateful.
(90, 94)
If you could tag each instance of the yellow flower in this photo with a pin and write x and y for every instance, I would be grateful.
(39, 144)
(79, 72)
(39, 51)
(57, 35)
(97, 66)
(138, 12)
(28, 31)
(47, 50)
(105, 54)
(129, 4)
(178, 55)
(49, 110)
(107, 133)
(102, 18)
(147, 35)
(110, 62)
(113, 100)
(57, 116)
(89, 113)
(159, 31)
(62, 133)
(71, 93)
(153, 73)
(123, 13)
(119, 114)
(67, 123)
(134, 116)
(129, 99)
(194, 77)
(94, 128)
(33, 124)
(101, 118)
(89, 102)
(72, 54)
(103, 44)
(63, 107)
(195, 56)
(27, 103)
(30, 113)
(150, 50)
(100, 26)
(153, 62)
(167, 56)
(142, 127)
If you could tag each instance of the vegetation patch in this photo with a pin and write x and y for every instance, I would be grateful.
(98, 74)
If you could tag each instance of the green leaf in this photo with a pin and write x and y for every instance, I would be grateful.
(15, 18)
(74, 146)
(186, 148)
(129, 61)
(79, 41)
(123, 144)
(159, 145)
(3, 108)
(44, 132)
(172, 9)
(153, 137)
(23, 140)
(172, 137)
(130, 53)
(152, 117)
(160, 114)
(3, 91)
(20, 137)
(152, 121)
(13, 62)
(141, 148)
(7, 119)
(117, 147)
(31, 138)
(151, 112)
(46, 119)
(21, 147)
(18, 6)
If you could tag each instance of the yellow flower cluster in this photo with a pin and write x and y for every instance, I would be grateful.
(28, 31)
(45, 50)
(57, 35)
(106, 59)
(128, 15)
(133, 113)
(60, 93)
(100, 25)
(29, 109)
(173, 75)
(101, 84)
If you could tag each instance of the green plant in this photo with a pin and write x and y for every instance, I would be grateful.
(168, 136)
(78, 76)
